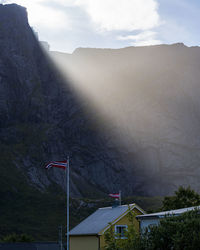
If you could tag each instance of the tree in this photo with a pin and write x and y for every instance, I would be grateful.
(132, 239)
(111, 242)
(17, 238)
(184, 197)
(175, 232)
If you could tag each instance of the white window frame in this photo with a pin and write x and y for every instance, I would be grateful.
(119, 237)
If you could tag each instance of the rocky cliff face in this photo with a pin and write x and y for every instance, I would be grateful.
(149, 96)
(128, 118)
(42, 119)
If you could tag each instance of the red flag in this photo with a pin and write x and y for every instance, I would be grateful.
(115, 195)
(57, 164)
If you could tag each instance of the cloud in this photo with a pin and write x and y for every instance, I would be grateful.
(68, 24)
(142, 39)
(42, 15)
(127, 15)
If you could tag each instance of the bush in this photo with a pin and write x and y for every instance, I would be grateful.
(17, 238)
(175, 232)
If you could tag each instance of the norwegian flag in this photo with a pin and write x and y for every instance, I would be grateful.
(56, 164)
(115, 195)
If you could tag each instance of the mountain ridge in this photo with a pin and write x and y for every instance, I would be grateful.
(41, 117)
(156, 111)
(128, 118)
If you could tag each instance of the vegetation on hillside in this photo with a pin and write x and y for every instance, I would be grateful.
(17, 238)
(26, 210)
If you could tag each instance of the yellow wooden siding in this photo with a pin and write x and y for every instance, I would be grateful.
(123, 221)
(84, 243)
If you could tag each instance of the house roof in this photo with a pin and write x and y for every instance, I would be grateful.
(100, 219)
(167, 213)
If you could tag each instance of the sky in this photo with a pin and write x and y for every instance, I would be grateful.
(70, 24)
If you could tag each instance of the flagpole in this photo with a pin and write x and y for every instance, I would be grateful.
(120, 198)
(67, 186)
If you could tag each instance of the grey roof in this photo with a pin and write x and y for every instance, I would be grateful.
(167, 213)
(29, 246)
(100, 220)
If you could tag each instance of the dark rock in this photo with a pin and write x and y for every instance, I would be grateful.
(42, 119)
(137, 130)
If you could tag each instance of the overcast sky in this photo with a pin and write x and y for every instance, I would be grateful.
(69, 24)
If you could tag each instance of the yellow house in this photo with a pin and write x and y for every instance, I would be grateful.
(89, 234)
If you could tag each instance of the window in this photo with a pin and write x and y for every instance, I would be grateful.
(120, 231)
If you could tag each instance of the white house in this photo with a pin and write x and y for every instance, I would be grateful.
(147, 220)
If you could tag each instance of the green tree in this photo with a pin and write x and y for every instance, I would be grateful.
(132, 239)
(175, 232)
(17, 238)
(184, 197)
(110, 239)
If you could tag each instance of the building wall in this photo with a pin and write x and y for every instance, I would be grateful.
(144, 223)
(84, 243)
(123, 221)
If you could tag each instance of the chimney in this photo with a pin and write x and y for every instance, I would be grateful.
(116, 203)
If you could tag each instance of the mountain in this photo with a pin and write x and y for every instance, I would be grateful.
(149, 98)
(128, 118)
(42, 119)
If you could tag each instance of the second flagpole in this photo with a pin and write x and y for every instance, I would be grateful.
(120, 198)
(67, 187)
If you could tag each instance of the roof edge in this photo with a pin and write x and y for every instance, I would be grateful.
(167, 213)
(132, 206)
(83, 235)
